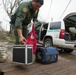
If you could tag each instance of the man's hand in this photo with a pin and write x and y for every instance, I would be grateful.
(21, 37)
(22, 40)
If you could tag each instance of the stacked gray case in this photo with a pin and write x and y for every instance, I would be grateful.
(23, 54)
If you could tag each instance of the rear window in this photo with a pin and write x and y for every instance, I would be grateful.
(55, 25)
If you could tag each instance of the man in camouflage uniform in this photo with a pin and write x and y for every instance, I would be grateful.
(24, 13)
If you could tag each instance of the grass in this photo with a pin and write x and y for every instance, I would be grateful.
(6, 36)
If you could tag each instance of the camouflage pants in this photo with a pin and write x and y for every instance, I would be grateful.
(24, 33)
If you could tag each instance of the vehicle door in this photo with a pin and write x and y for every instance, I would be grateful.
(54, 31)
(37, 29)
(43, 31)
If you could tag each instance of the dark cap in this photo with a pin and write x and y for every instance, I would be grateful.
(39, 1)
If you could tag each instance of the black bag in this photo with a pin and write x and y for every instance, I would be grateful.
(46, 55)
(13, 18)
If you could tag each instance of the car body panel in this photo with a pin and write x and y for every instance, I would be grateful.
(54, 34)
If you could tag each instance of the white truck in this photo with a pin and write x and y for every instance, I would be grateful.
(61, 34)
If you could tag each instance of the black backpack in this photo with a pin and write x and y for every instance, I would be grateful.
(13, 18)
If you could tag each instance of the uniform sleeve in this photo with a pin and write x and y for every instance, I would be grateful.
(35, 16)
(20, 18)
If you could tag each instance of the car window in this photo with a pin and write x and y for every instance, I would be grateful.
(55, 25)
(45, 26)
(38, 25)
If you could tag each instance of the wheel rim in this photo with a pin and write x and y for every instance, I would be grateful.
(47, 44)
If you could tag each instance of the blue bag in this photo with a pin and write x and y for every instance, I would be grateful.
(46, 55)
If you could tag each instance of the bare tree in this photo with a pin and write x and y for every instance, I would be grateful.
(0, 26)
(10, 6)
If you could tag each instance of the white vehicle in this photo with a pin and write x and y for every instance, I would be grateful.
(61, 34)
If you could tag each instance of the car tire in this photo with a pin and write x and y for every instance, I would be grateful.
(48, 42)
(68, 50)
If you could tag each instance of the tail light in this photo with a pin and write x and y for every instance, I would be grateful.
(62, 34)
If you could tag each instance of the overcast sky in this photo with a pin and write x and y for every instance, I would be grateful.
(52, 10)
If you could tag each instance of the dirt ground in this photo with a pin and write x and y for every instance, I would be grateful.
(66, 65)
